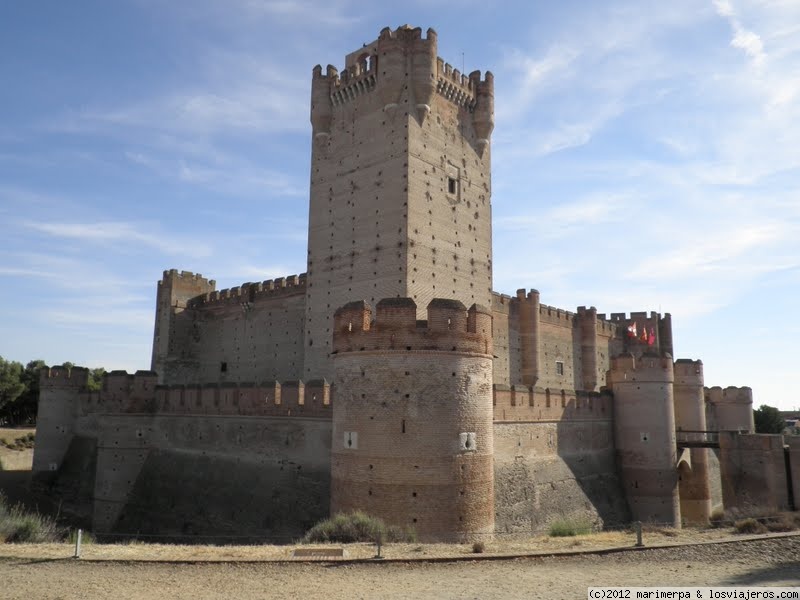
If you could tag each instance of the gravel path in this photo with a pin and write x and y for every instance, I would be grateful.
(771, 562)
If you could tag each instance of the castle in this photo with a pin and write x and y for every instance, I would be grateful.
(390, 377)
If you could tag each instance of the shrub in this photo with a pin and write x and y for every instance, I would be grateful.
(749, 525)
(16, 525)
(357, 526)
(783, 522)
(717, 518)
(570, 527)
(478, 547)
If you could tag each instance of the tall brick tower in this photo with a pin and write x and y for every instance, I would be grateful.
(644, 434)
(400, 184)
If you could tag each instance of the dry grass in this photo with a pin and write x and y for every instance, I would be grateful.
(139, 551)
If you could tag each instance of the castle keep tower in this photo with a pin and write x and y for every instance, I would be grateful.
(644, 435)
(400, 183)
(412, 420)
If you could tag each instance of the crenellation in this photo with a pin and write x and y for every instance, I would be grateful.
(251, 292)
(62, 377)
(448, 327)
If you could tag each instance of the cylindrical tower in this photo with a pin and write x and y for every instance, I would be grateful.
(690, 416)
(423, 81)
(412, 421)
(321, 107)
(644, 435)
(483, 115)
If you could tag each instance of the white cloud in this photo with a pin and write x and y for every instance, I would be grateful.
(117, 232)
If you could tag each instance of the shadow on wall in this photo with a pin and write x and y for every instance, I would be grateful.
(558, 469)
(181, 496)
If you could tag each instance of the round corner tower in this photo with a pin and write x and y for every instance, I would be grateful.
(412, 421)
(644, 434)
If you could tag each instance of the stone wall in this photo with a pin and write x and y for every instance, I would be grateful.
(554, 471)
(175, 475)
(253, 332)
(753, 468)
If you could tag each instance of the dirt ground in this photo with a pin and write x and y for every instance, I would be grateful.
(15, 460)
(766, 562)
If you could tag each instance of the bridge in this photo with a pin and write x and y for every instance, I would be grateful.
(696, 439)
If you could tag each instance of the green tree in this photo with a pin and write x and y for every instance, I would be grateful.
(96, 379)
(768, 419)
(11, 386)
(27, 405)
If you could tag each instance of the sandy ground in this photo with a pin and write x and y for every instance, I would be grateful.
(774, 561)
(15, 460)
(770, 562)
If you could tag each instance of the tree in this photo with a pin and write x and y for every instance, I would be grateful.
(27, 405)
(11, 386)
(96, 379)
(768, 419)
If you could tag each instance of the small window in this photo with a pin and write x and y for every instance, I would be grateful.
(451, 185)
(559, 367)
(223, 367)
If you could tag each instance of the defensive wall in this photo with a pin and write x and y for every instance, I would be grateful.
(171, 460)
(554, 459)
(251, 332)
(548, 347)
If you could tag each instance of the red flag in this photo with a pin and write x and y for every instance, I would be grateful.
(632, 330)
(652, 339)
(644, 334)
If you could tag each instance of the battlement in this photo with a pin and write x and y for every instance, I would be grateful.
(603, 326)
(399, 62)
(556, 316)
(138, 393)
(525, 403)
(173, 276)
(686, 368)
(729, 395)
(627, 368)
(61, 377)
(248, 293)
(450, 327)
(623, 318)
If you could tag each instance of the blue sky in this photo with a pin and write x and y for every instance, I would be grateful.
(646, 156)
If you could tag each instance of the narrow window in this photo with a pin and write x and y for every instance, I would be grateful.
(403, 425)
(223, 367)
(451, 185)
(559, 367)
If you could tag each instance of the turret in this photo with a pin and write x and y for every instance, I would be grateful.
(730, 409)
(423, 80)
(174, 292)
(529, 335)
(483, 114)
(690, 417)
(59, 395)
(644, 434)
(587, 322)
(412, 421)
(321, 106)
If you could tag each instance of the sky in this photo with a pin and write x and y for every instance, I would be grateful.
(646, 156)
